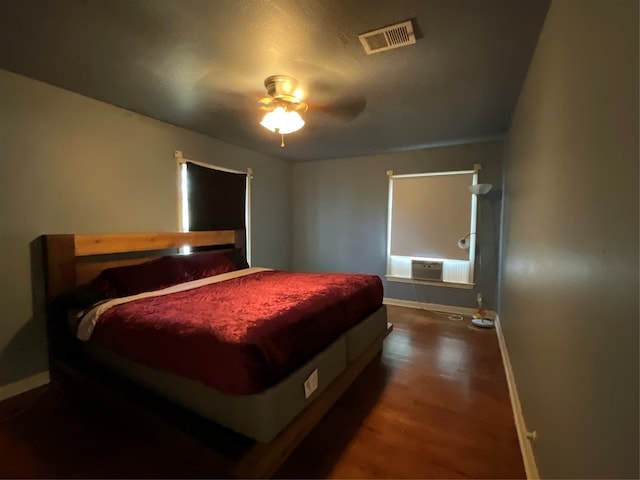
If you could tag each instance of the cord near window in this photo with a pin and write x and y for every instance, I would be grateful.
(454, 317)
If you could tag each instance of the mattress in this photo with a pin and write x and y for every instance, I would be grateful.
(259, 416)
(242, 334)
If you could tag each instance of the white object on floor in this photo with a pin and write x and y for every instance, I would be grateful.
(482, 322)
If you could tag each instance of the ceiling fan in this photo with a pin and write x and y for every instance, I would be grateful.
(282, 103)
(316, 95)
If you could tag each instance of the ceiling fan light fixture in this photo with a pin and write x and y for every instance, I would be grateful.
(282, 121)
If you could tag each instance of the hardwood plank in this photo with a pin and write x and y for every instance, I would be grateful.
(98, 244)
(60, 258)
(13, 406)
(436, 405)
(71, 259)
(87, 271)
(264, 459)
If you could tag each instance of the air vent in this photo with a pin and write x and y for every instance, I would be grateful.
(387, 38)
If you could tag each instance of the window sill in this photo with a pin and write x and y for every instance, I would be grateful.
(466, 286)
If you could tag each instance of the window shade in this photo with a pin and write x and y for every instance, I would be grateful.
(429, 214)
(216, 198)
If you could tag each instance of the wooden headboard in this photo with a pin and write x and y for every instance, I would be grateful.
(74, 259)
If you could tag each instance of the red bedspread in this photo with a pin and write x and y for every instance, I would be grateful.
(242, 335)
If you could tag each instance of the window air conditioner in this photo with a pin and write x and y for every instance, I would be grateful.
(426, 270)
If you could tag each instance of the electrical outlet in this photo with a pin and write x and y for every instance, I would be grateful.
(479, 298)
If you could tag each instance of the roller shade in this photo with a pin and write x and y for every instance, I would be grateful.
(216, 198)
(429, 214)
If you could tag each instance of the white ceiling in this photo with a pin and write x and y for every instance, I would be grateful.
(200, 64)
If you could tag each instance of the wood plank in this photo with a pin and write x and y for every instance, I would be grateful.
(79, 258)
(259, 460)
(60, 261)
(87, 271)
(436, 406)
(99, 391)
(264, 459)
(13, 406)
(99, 244)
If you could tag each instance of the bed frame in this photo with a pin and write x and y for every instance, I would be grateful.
(73, 260)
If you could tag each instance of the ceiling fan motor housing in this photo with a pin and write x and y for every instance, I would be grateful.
(281, 85)
(284, 92)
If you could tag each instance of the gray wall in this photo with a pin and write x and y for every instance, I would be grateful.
(70, 164)
(340, 216)
(570, 270)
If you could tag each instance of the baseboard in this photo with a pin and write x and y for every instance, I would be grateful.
(526, 449)
(528, 457)
(435, 307)
(24, 385)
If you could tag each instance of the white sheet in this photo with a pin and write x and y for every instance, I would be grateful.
(89, 320)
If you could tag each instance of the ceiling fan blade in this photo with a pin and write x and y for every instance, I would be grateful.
(220, 85)
(345, 108)
(235, 90)
(338, 101)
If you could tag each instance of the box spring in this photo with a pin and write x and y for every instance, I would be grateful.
(259, 416)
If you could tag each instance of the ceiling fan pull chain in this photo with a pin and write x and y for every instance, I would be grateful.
(282, 144)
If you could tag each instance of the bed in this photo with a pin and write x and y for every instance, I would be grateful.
(277, 372)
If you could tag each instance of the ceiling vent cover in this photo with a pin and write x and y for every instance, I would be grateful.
(387, 38)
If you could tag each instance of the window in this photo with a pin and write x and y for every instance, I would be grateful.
(214, 198)
(429, 213)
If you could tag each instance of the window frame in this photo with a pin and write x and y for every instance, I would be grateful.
(183, 196)
(472, 233)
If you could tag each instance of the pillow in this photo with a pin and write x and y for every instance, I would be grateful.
(237, 258)
(133, 279)
(205, 264)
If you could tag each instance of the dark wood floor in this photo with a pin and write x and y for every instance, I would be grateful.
(435, 405)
